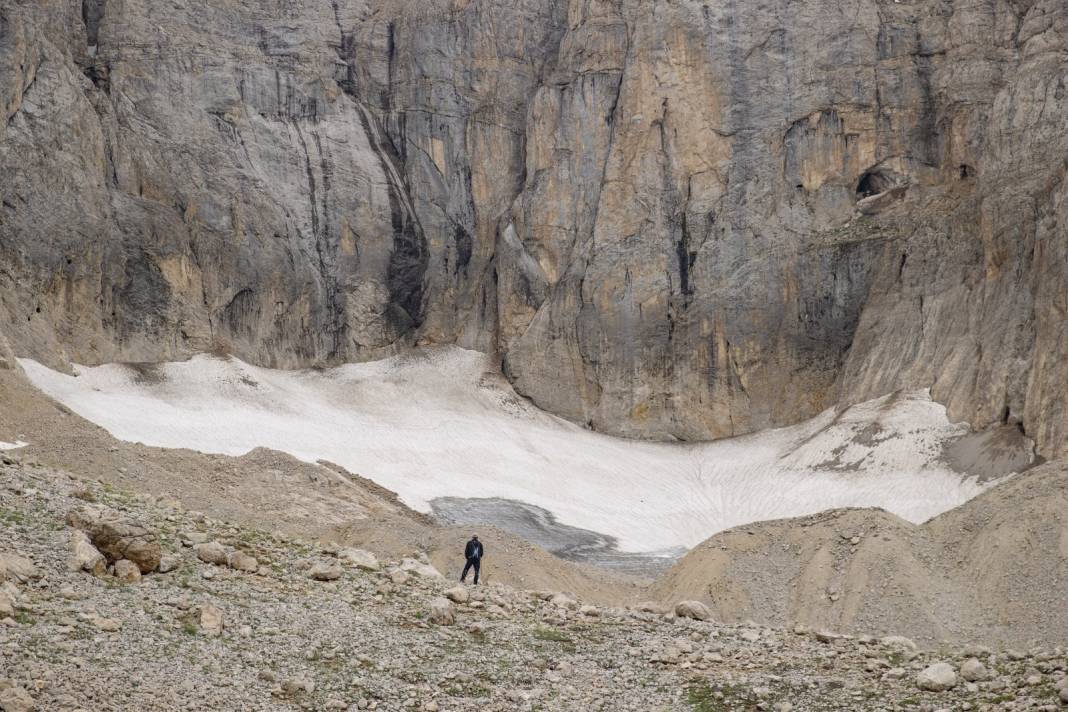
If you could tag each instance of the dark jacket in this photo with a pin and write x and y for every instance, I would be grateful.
(474, 550)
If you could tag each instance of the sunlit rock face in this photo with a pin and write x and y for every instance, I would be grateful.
(669, 220)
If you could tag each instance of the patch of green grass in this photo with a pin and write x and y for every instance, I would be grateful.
(466, 689)
(702, 697)
(189, 628)
(12, 517)
(543, 632)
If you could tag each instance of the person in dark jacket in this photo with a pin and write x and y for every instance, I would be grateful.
(473, 553)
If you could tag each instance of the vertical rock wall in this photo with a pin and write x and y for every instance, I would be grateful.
(672, 220)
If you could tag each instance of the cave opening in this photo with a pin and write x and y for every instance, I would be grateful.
(873, 183)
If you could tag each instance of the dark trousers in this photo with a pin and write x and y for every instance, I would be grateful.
(477, 563)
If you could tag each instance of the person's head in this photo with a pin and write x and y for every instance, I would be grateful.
(474, 537)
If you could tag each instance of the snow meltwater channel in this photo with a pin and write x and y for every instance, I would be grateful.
(442, 423)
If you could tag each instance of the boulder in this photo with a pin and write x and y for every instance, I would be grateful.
(561, 600)
(420, 568)
(458, 594)
(7, 606)
(973, 670)
(108, 625)
(212, 552)
(127, 571)
(296, 685)
(84, 556)
(325, 571)
(360, 559)
(193, 538)
(118, 537)
(899, 642)
(937, 678)
(168, 564)
(211, 620)
(18, 568)
(693, 609)
(441, 612)
(240, 561)
(15, 699)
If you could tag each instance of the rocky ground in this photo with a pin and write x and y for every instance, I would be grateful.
(284, 623)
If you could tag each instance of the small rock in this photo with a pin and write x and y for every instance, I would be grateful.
(240, 561)
(360, 559)
(458, 594)
(212, 552)
(18, 568)
(84, 556)
(168, 564)
(937, 678)
(561, 600)
(127, 571)
(325, 571)
(693, 609)
(420, 568)
(898, 642)
(7, 606)
(211, 620)
(441, 612)
(193, 538)
(15, 699)
(591, 611)
(108, 625)
(973, 670)
(294, 685)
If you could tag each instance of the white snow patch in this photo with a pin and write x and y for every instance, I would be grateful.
(441, 422)
(12, 446)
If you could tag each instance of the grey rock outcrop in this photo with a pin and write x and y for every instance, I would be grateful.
(673, 220)
(118, 537)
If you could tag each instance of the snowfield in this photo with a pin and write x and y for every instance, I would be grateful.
(443, 423)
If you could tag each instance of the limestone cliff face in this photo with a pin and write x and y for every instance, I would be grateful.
(670, 219)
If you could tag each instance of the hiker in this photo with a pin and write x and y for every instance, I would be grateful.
(473, 553)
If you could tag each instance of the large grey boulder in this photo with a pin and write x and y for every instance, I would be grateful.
(693, 609)
(938, 677)
(84, 556)
(18, 568)
(118, 537)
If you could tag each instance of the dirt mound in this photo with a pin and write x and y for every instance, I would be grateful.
(990, 570)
